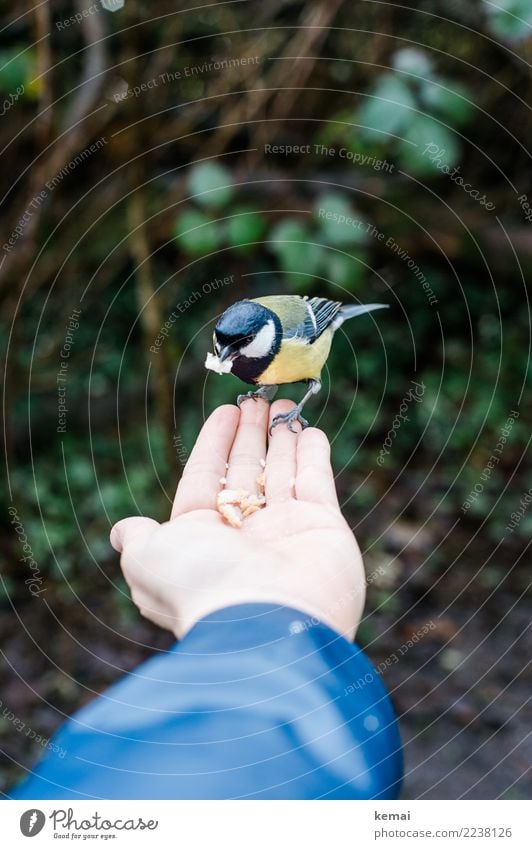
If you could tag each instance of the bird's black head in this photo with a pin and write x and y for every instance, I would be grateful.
(250, 335)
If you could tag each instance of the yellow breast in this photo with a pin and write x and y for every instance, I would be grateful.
(298, 361)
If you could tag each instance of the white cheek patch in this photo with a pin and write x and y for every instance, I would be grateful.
(262, 344)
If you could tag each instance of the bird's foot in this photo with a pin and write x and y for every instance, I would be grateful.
(241, 398)
(288, 419)
(267, 393)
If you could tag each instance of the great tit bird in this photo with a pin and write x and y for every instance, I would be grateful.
(279, 339)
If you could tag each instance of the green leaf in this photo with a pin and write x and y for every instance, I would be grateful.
(286, 231)
(388, 110)
(298, 255)
(512, 19)
(453, 102)
(81, 473)
(210, 184)
(412, 61)
(339, 224)
(196, 233)
(16, 68)
(246, 226)
(344, 270)
(428, 146)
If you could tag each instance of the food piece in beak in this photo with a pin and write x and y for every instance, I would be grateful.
(214, 363)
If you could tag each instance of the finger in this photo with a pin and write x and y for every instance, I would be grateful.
(134, 529)
(281, 459)
(314, 477)
(200, 482)
(249, 447)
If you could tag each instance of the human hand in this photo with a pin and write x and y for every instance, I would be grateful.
(298, 551)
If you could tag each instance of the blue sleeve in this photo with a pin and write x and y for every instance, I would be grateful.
(256, 702)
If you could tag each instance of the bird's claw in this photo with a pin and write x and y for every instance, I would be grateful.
(267, 393)
(241, 398)
(288, 419)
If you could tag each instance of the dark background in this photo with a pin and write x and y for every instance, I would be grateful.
(180, 189)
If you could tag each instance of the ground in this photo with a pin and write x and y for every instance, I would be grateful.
(461, 687)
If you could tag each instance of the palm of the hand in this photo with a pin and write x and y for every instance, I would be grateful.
(297, 551)
(288, 525)
(292, 551)
(293, 518)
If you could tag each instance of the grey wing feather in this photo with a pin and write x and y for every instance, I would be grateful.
(319, 314)
(306, 318)
(296, 315)
(324, 312)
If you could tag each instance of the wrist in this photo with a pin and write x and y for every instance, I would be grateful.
(341, 617)
(193, 611)
(252, 624)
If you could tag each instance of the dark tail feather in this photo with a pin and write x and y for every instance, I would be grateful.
(352, 310)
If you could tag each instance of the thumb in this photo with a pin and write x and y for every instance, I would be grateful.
(134, 528)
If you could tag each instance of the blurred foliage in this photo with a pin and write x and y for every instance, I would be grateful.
(18, 71)
(216, 206)
(159, 164)
(511, 19)
(406, 110)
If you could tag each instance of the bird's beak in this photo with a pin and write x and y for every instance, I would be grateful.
(226, 354)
